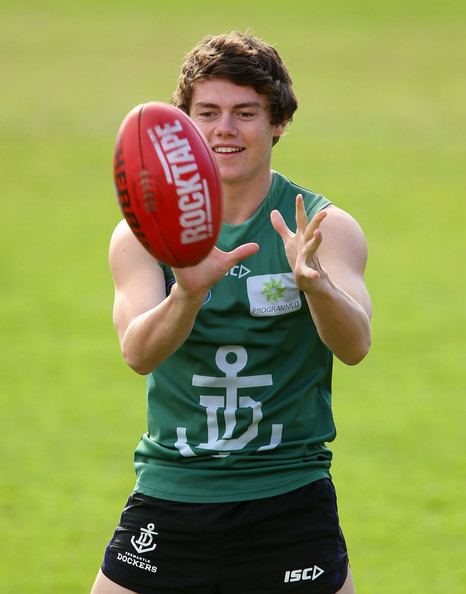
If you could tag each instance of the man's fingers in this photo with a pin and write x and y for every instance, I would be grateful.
(301, 216)
(310, 247)
(242, 252)
(314, 224)
(278, 223)
(313, 244)
(302, 223)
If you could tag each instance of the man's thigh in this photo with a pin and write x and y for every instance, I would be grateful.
(103, 585)
(348, 586)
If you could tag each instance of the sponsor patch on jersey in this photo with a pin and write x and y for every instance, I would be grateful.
(273, 294)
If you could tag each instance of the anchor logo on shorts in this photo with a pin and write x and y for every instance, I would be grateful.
(231, 360)
(145, 542)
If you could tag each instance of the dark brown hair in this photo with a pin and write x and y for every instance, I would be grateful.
(244, 60)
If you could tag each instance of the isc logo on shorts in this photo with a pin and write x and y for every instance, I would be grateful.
(298, 575)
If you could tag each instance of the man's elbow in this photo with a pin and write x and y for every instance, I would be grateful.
(356, 353)
(136, 362)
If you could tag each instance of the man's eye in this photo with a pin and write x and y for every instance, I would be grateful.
(245, 115)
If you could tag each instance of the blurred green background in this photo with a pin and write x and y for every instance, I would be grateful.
(380, 131)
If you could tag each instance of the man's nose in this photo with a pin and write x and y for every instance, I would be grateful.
(226, 125)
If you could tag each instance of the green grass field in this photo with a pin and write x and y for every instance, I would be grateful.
(380, 131)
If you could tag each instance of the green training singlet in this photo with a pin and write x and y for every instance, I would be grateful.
(242, 409)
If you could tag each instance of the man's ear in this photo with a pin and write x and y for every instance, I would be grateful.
(278, 132)
(280, 129)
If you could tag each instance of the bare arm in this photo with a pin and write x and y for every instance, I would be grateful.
(328, 256)
(150, 325)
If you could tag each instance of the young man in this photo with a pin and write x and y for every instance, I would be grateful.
(233, 492)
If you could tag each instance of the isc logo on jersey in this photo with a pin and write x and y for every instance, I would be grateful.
(298, 575)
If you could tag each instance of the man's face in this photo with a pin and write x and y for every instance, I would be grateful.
(236, 122)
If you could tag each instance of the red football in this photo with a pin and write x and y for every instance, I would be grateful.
(168, 184)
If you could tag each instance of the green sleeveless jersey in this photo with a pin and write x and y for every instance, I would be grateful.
(242, 410)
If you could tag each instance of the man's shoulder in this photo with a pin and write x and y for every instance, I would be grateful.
(125, 248)
(342, 219)
(122, 229)
(343, 236)
(123, 235)
(287, 190)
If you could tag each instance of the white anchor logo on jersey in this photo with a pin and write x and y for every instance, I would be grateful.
(230, 403)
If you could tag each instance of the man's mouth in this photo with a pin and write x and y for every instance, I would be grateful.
(225, 150)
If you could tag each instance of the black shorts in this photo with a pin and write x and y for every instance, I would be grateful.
(287, 543)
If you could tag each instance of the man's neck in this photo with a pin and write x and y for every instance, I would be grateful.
(242, 199)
